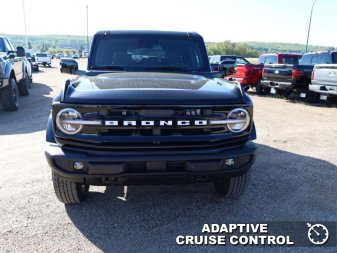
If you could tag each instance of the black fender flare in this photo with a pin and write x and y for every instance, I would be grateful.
(50, 130)
(9, 69)
(253, 135)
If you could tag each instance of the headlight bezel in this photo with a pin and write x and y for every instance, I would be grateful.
(59, 123)
(246, 124)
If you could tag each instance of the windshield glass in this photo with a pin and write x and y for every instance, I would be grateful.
(149, 51)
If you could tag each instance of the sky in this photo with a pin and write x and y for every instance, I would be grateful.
(215, 20)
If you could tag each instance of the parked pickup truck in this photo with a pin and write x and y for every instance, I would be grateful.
(14, 77)
(43, 59)
(223, 64)
(280, 74)
(324, 79)
(247, 74)
(148, 111)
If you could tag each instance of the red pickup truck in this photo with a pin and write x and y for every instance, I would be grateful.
(246, 74)
(250, 75)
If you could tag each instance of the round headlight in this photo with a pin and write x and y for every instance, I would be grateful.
(240, 118)
(64, 122)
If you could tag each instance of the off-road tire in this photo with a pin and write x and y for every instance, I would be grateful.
(69, 192)
(260, 90)
(232, 187)
(24, 86)
(9, 96)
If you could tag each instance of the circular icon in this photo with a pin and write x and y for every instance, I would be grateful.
(318, 234)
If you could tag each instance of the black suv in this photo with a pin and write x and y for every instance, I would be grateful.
(147, 111)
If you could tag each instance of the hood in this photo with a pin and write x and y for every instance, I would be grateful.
(138, 88)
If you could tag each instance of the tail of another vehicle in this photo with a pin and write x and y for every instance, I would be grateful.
(324, 81)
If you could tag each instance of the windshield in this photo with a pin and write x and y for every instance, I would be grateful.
(149, 51)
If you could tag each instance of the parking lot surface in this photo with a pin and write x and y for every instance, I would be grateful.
(293, 179)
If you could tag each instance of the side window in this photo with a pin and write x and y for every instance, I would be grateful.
(7, 45)
(241, 61)
(12, 46)
(262, 59)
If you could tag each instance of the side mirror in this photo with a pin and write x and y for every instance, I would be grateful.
(20, 52)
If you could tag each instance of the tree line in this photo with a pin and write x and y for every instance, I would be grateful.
(231, 48)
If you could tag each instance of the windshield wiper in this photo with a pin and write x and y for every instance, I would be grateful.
(166, 68)
(110, 68)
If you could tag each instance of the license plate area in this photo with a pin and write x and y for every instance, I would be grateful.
(272, 91)
(303, 95)
(323, 97)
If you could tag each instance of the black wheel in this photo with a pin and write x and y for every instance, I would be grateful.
(232, 187)
(37, 69)
(69, 192)
(49, 65)
(312, 97)
(9, 96)
(260, 90)
(24, 86)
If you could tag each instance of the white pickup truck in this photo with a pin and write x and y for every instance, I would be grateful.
(43, 59)
(324, 79)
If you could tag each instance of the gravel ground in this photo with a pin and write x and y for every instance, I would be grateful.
(293, 179)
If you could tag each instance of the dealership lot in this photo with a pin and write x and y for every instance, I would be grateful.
(294, 179)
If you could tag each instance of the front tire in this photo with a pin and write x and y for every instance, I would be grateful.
(9, 96)
(69, 192)
(232, 187)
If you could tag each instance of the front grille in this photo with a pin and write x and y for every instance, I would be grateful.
(155, 115)
(174, 137)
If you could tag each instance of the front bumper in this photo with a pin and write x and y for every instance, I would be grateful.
(324, 89)
(126, 168)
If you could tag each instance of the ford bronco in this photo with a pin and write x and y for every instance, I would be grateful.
(149, 111)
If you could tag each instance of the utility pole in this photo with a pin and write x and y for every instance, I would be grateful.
(87, 29)
(312, 8)
(24, 20)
